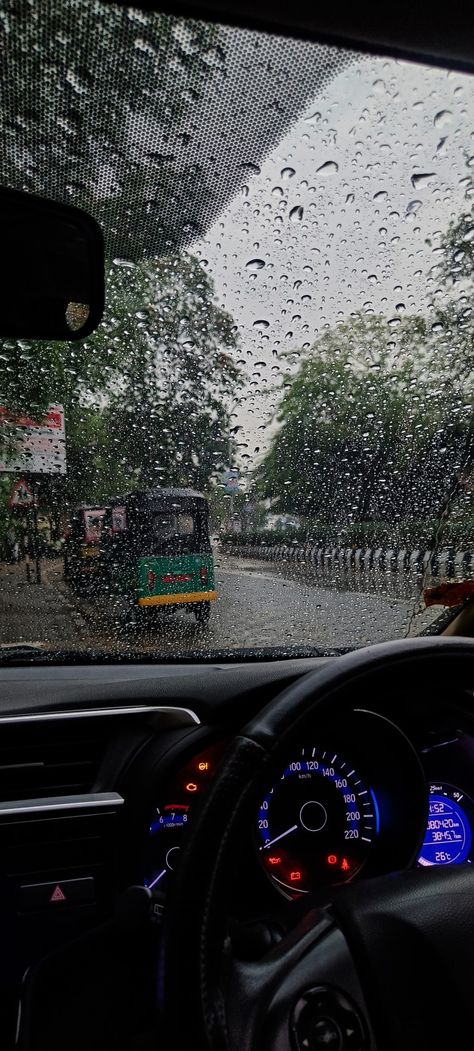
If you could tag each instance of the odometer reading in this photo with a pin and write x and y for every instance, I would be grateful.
(316, 825)
(448, 836)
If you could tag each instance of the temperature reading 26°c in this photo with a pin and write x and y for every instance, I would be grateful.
(448, 836)
(317, 823)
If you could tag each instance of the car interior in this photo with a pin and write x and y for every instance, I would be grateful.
(241, 849)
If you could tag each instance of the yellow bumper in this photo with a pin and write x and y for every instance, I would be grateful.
(178, 600)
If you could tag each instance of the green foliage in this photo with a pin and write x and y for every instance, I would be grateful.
(410, 535)
(368, 431)
(144, 395)
(100, 133)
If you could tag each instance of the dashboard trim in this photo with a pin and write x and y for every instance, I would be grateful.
(56, 803)
(88, 713)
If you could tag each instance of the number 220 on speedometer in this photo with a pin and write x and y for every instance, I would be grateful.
(317, 823)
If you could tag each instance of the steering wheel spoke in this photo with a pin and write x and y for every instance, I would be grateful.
(303, 995)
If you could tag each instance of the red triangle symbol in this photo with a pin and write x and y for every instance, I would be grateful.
(57, 894)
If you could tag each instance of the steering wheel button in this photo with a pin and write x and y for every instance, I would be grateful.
(326, 1035)
(324, 1019)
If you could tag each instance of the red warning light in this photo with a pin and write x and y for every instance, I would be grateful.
(58, 894)
(191, 786)
(332, 859)
(295, 876)
(274, 861)
(345, 865)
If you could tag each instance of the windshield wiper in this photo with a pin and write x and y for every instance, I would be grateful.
(24, 654)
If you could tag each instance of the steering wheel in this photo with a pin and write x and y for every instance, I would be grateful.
(386, 963)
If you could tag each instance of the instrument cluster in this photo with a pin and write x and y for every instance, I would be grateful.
(362, 801)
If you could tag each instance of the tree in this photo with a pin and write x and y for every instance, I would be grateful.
(362, 426)
(166, 412)
(103, 133)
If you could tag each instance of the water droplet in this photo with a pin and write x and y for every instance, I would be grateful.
(412, 207)
(379, 87)
(372, 278)
(350, 198)
(252, 169)
(421, 179)
(296, 213)
(381, 195)
(314, 117)
(255, 264)
(277, 191)
(287, 173)
(261, 325)
(442, 118)
(328, 168)
(393, 321)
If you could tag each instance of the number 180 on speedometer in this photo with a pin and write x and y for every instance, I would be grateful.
(317, 823)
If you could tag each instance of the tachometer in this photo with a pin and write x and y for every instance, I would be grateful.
(317, 824)
(170, 817)
(448, 836)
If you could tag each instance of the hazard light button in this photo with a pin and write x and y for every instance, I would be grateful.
(57, 895)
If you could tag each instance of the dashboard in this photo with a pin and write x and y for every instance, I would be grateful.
(102, 772)
(335, 812)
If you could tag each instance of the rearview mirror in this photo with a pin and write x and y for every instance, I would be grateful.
(52, 284)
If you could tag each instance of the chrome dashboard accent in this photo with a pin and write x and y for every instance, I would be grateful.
(185, 715)
(85, 801)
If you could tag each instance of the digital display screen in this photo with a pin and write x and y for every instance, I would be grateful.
(448, 836)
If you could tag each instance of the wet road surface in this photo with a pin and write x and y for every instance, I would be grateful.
(257, 606)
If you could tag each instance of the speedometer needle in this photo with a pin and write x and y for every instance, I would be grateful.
(281, 836)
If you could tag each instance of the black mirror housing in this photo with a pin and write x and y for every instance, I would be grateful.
(52, 282)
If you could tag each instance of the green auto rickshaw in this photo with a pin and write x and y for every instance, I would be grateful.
(157, 550)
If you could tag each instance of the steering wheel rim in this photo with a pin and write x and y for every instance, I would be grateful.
(194, 930)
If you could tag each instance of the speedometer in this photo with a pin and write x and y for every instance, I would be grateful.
(317, 823)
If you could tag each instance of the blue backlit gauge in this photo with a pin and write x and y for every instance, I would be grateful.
(317, 823)
(449, 832)
(166, 833)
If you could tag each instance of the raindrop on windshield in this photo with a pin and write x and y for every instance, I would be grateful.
(255, 264)
(261, 325)
(328, 168)
(296, 213)
(442, 118)
(287, 173)
(421, 179)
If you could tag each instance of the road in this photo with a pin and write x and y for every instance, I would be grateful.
(257, 607)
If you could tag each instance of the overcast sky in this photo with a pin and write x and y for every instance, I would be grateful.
(339, 218)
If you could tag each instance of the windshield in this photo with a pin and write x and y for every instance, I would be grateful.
(269, 439)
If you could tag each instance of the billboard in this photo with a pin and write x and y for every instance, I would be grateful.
(33, 446)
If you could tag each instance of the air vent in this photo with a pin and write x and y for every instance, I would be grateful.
(48, 761)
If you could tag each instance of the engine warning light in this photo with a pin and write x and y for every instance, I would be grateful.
(274, 860)
(295, 876)
(191, 786)
(202, 766)
(332, 859)
(345, 865)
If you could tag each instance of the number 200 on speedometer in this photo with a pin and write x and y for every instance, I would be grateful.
(317, 823)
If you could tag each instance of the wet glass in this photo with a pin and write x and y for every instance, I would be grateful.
(288, 331)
